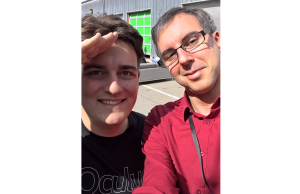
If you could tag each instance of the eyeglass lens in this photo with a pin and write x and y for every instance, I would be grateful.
(190, 44)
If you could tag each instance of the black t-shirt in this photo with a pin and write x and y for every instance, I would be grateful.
(113, 164)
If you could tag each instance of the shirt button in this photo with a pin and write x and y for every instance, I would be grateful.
(202, 154)
(198, 191)
(207, 122)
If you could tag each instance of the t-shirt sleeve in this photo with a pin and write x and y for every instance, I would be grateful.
(159, 176)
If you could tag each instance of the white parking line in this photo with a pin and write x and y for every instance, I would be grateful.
(161, 92)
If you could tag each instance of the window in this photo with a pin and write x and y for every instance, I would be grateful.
(142, 22)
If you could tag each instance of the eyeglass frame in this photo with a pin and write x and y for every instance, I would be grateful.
(161, 63)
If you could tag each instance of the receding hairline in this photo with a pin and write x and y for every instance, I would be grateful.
(171, 20)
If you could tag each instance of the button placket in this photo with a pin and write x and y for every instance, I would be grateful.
(207, 121)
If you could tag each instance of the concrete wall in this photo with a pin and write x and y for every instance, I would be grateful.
(157, 7)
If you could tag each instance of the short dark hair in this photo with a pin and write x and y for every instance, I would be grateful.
(203, 17)
(104, 24)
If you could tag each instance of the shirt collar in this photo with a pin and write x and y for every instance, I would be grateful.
(187, 110)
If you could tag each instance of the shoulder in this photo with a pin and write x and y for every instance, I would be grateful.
(165, 110)
(163, 114)
(137, 116)
(136, 120)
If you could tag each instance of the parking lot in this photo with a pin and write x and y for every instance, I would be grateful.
(154, 93)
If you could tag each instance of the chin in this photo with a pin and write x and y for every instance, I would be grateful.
(115, 118)
(202, 87)
(198, 90)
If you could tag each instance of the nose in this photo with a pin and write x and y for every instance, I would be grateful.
(184, 58)
(114, 86)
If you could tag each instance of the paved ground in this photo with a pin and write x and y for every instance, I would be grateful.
(154, 93)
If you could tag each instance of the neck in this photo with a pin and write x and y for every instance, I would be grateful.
(103, 129)
(202, 103)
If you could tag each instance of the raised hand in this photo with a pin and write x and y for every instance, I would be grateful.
(91, 47)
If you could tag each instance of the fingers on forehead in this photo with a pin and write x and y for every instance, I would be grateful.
(90, 42)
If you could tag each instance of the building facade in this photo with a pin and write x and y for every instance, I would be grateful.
(143, 14)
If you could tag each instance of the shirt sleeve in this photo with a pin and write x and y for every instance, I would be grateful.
(159, 176)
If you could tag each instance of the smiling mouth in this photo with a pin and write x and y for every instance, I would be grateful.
(111, 102)
(193, 72)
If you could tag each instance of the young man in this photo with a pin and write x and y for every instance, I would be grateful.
(112, 160)
(176, 160)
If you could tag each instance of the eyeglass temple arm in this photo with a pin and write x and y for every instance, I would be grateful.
(206, 31)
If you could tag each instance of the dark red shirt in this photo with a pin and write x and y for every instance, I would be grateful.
(172, 164)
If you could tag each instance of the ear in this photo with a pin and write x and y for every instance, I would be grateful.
(217, 38)
(139, 74)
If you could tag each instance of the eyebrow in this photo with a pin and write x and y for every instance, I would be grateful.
(94, 66)
(98, 66)
(127, 67)
(182, 40)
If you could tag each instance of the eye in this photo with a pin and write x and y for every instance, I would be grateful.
(170, 56)
(173, 53)
(127, 73)
(192, 41)
(96, 73)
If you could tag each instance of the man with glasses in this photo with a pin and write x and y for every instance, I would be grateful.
(182, 138)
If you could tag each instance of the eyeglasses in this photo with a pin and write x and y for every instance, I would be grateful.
(190, 44)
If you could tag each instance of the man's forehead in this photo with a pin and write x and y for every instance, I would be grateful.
(176, 22)
(178, 28)
(119, 46)
(120, 55)
(107, 66)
